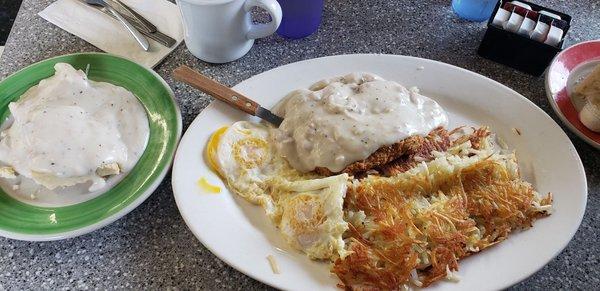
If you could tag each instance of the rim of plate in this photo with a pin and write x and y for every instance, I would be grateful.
(554, 104)
(133, 204)
(523, 275)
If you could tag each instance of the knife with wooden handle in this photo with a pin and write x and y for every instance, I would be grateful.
(195, 79)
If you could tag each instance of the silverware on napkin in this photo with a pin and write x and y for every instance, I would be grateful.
(136, 34)
(138, 21)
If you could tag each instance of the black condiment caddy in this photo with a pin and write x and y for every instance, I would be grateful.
(518, 51)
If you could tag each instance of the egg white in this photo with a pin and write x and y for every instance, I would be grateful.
(306, 208)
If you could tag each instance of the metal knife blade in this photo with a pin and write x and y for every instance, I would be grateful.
(143, 21)
(267, 115)
(157, 36)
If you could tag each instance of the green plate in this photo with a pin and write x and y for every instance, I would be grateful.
(27, 222)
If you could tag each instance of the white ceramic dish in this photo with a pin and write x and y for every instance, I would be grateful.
(567, 69)
(241, 235)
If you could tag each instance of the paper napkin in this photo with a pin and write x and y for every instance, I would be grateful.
(110, 35)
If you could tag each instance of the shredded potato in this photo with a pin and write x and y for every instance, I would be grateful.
(273, 264)
(416, 226)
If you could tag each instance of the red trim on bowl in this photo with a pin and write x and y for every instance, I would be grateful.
(564, 64)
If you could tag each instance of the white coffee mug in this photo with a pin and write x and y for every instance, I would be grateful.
(221, 31)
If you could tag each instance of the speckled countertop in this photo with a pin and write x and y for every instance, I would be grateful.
(151, 248)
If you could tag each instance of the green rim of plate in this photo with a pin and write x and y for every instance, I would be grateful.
(165, 127)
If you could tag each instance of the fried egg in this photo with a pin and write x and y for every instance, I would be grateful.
(306, 208)
(312, 216)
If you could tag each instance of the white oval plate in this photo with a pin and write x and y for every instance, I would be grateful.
(241, 235)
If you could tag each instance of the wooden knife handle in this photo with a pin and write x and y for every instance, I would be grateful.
(197, 80)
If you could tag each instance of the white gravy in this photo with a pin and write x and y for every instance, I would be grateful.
(67, 126)
(345, 119)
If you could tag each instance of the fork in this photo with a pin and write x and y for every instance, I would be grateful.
(136, 34)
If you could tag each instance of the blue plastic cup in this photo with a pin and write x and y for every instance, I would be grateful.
(473, 10)
(301, 18)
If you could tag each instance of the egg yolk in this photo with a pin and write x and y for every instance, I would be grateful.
(206, 186)
(211, 149)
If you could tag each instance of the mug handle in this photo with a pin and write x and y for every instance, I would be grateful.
(264, 29)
